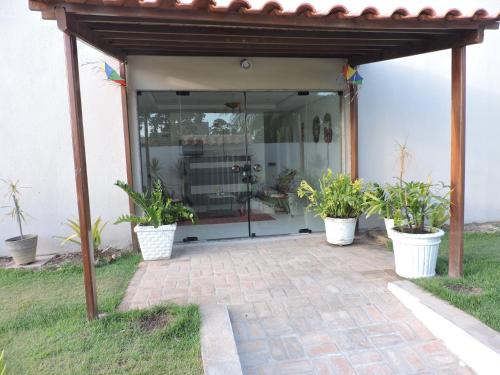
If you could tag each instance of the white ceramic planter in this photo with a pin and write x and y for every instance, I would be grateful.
(389, 224)
(415, 255)
(23, 250)
(156, 243)
(340, 231)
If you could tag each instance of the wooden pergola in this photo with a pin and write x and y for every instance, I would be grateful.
(121, 28)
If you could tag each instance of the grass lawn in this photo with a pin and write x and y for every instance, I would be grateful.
(43, 328)
(478, 291)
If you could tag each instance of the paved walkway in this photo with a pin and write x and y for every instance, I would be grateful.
(300, 306)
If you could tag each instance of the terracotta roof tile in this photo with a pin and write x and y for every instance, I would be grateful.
(311, 8)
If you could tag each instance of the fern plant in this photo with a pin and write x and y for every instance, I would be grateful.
(417, 205)
(337, 196)
(75, 237)
(158, 209)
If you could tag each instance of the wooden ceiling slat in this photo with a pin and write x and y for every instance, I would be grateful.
(138, 38)
(260, 31)
(235, 45)
(244, 49)
(255, 39)
(253, 54)
(118, 38)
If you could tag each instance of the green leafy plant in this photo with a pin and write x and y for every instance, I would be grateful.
(75, 237)
(379, 201)
(337, 196)
(419, 206)
(17, 213)
(158, 208)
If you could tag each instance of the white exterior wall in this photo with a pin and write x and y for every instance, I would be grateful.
(35, 133)
(410, 99)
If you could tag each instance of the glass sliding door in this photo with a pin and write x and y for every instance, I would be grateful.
(190, 141)
(295, 136)
(236, 158)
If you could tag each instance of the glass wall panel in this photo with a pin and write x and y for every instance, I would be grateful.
(237, 158)
(299, 137)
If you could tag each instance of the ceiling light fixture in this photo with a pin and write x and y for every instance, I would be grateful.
(245, 64)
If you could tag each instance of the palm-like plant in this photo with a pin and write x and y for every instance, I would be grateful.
(337, 196)
(158, 209)
(74, 225)
(17, 213)
(417, 205)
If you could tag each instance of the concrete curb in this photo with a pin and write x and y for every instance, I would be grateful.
(472, 341)
(218, 347)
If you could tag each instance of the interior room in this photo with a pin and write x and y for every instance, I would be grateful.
(237, 158)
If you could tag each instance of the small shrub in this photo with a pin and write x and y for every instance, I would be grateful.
(158, 209)
(337, 196)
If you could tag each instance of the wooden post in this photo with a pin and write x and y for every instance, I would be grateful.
(458, 75)
(353, 119)
(128, 157)
(82, 191)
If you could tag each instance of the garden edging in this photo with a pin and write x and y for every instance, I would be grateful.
(218, 346)
(472, 341)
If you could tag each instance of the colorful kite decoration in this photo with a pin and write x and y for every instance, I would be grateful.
(112, 75)
(352, 75)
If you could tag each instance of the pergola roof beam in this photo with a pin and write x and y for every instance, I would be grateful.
(177, 15)
(470, 37)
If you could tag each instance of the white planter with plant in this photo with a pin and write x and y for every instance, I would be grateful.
(419, 214)
(22, 248)
(155, 229)
(339, 202)
(379, 201)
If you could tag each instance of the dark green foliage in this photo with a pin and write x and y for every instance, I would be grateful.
(337, 196)
(158, 209)
(379, 201)
(419, 204)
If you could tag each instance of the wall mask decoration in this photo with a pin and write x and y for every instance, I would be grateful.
(327, 130)
(316, 129)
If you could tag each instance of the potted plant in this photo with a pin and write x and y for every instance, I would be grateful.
(379, 201)
(339, 202)
(22, 248)
(419, 214)
(156, 227)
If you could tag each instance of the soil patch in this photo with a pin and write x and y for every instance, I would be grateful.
(488, 227)
(103, 257)
(4, 261)
(154, 322)
(467, 290)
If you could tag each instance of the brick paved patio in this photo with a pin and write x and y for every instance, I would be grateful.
(300, 306)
